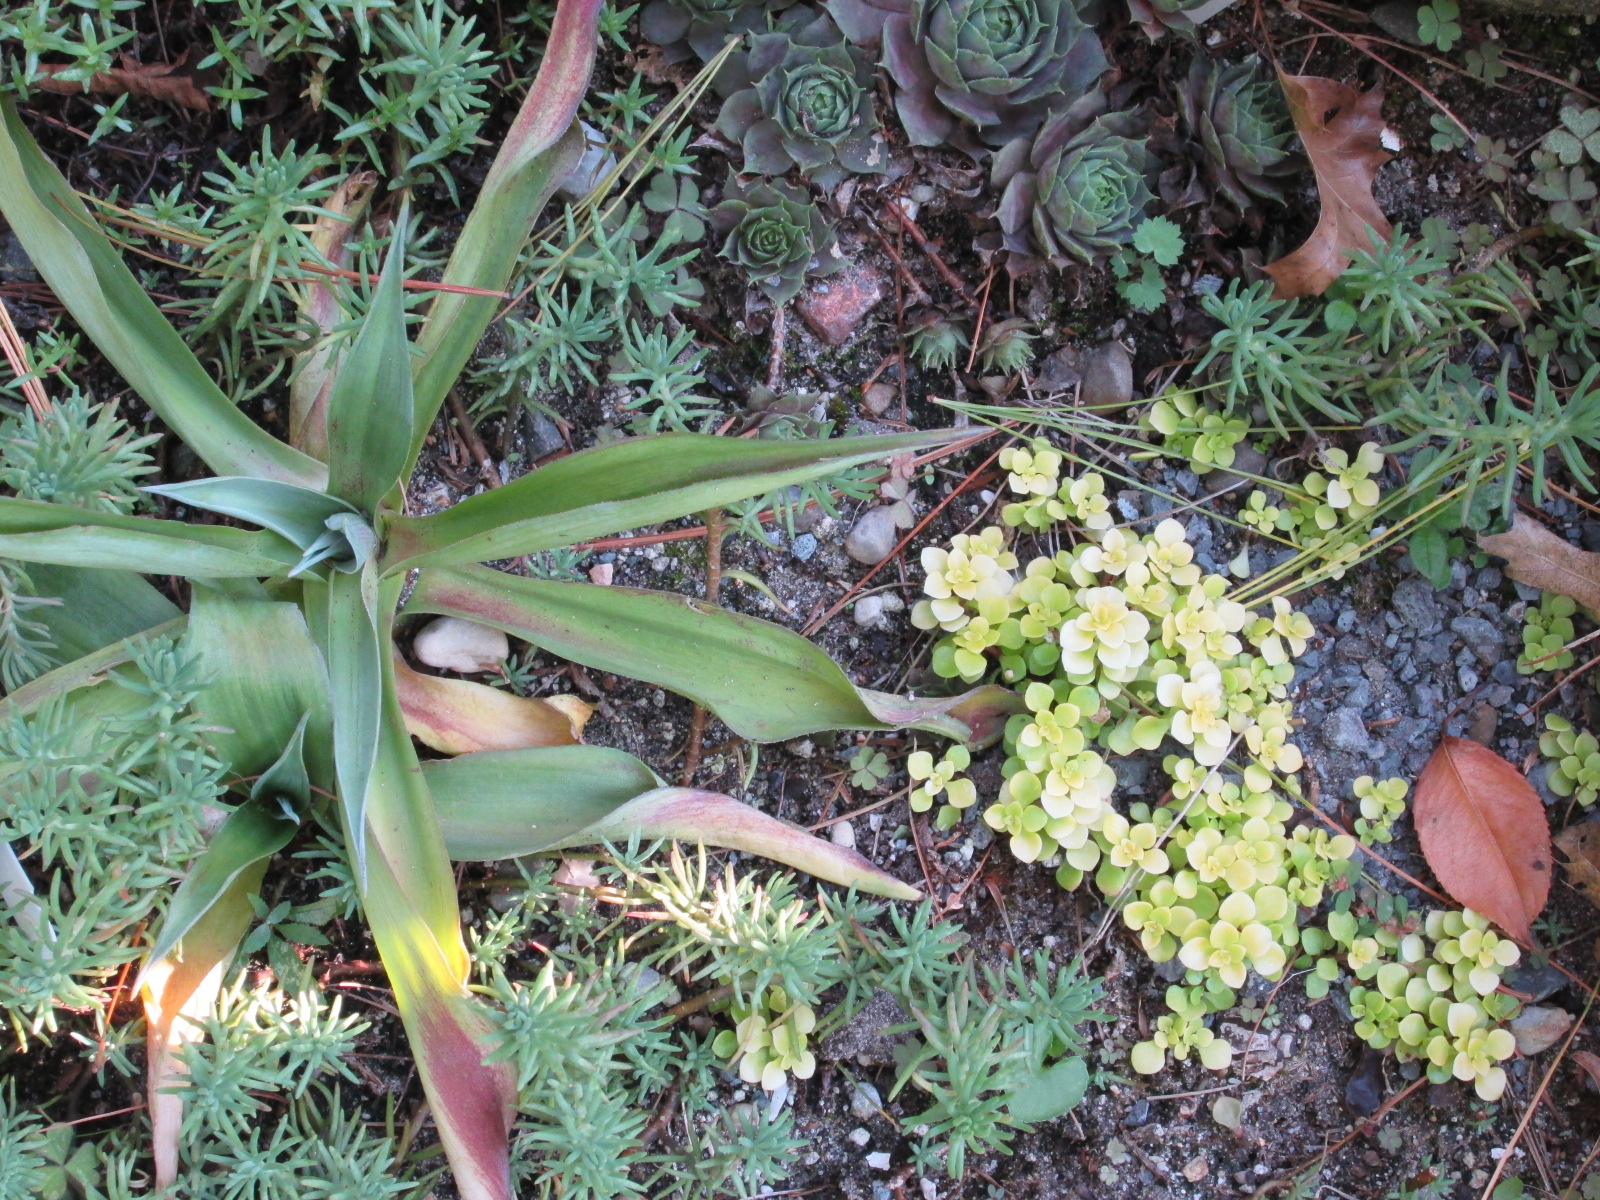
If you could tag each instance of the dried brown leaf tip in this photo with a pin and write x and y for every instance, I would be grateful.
(172, 83)
(1342, 130)
(1539, 558)
(1581, 845)
(1484, 833)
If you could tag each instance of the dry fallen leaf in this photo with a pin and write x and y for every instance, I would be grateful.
(1581, 845)
(1590, 1063)
(1484, 833)
(1341, 128)
(1539, 558)
(169, 82)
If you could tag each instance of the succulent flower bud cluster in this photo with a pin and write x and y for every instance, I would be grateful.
(801, 98)
(978, 73)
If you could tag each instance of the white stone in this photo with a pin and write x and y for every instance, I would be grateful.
(859, 1136)
(879, 1160)
(451, 644)
(843, 834)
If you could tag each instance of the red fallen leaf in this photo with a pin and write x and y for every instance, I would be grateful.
(1484, 833)
(159, 81)
(1341, 128)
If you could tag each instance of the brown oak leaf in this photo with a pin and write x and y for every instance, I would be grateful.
(1539, 558)
(1341, 128)
(170, 82)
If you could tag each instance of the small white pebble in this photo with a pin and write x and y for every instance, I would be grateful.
(843, 834)
(878, 1160)
(930, 1189)
(1303, 1020)
(860, 1136)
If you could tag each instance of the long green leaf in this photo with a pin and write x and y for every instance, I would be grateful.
(252, 834)
(516, 802)
(505, 803)
(266, 676)
(87, 274)
(78, 537)
(764, 682)
(295, 513)
(542, 146)
(627, 485)
(97, 608)
(370, 408)
(356, 675)
(410, 901)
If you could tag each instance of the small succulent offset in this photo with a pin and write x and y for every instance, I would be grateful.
(936, 340)
(975, 74)
(1574, 758)
(702, 26)
(1076, 191)
(1180, 16)
(1546, 631)
(1236, 116)
(802, 97)
(777, 235)
(1006, 346)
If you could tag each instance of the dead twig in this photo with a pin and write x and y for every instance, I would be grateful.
(927, 247)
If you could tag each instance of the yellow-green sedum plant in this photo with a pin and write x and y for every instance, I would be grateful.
(292, 622)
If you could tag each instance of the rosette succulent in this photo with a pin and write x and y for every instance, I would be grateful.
(978, 73)
(1180, 16)
(800, 97)
(702, 26)
(1236, 117)
(1077, 190)
(777, 235)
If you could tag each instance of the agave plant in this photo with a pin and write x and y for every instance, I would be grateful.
(802, 97)
(1236, 117)
(1077, 190)
(979, 73)
(1180, 16)
(777, 235)
(293, 621)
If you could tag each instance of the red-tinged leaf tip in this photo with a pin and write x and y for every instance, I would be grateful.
(688, 815)
(557, 90)
(1484, 833)
(473, 1101)
(976, 718)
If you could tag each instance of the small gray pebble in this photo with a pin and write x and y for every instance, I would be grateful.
(805, 546)
(1344, 730)
(873, 537)
(1482, 637)
(864, 1102)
